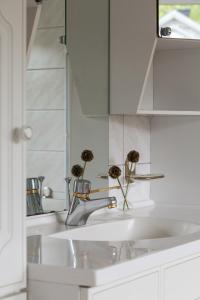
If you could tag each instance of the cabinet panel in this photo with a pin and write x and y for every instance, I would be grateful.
(143, 288)
(38, 290)
(132, 43)
(88, 47)
(21, 296)
(180, 91)
(182, 281)
(12, 199)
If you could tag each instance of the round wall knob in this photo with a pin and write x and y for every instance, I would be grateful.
(165, 31)
(27, 133)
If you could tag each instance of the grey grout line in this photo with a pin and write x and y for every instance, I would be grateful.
(50, 151)
(139, 164)
(45, 110)
(45, 69)
(51, 27)
(123, 146)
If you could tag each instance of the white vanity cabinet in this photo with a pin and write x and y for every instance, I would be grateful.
(141, 288)
(177, 280)
(12, 179)
(182, 280)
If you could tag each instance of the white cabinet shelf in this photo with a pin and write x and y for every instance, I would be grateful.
(176, 44)
(167, 113)
(175, 81)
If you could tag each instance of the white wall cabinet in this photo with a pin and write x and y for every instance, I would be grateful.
(88, 52)
(132, 45)
(12, 179)
(120, 65)
(150, 75)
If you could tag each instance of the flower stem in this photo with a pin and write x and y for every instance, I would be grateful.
(125, 201)
(128, 183)
(84, 168)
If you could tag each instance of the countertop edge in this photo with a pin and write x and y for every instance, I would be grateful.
(98, 277)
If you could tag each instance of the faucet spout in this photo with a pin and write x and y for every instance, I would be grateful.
(84, 208)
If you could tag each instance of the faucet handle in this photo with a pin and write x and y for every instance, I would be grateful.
(82, 186)
(112, 202)
(82, 196)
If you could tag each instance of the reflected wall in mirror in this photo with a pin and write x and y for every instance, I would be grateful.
(67, 96)
(179, 19)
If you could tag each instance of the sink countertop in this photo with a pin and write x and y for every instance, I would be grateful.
(89, 263)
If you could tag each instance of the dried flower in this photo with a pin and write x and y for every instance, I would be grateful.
(115, 172)
(87, 155)
(133, 156)
(77, 171)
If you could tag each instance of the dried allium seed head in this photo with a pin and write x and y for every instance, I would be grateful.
(115, 172)
(133, 156)
(87, 155)
(77, 171)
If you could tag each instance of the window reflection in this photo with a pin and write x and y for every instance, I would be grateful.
(182, 19)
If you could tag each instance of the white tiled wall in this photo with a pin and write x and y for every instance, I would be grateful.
(46, 85)
(130, 133)
(47, 51)
(175, 148)
(46, 103)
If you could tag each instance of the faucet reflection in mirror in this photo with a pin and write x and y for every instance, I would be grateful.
(34, 196)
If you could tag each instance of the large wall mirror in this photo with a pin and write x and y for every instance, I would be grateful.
(66, 97)
(179, 19)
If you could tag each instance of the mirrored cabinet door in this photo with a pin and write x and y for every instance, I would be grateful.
(46, 106)
(67, 96)
(88, 49)
(179, 19)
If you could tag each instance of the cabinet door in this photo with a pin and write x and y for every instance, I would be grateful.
(88, 46)
(133, 26)
(143, 288)
(181, 281)
(12, 237)
(21, 296)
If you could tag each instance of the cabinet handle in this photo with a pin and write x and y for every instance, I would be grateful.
(27, 133)
(22, 134)
(166, 31)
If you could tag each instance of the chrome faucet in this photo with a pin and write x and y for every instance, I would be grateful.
(81, 206)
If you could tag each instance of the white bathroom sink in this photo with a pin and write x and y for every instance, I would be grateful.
(132, 229)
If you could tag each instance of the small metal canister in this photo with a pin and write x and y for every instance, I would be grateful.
(33, 199)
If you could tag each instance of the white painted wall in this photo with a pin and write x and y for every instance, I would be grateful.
(175, 151)
(128, 133)
(169, 145)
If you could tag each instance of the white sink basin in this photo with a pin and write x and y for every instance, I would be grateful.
(130, 230)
